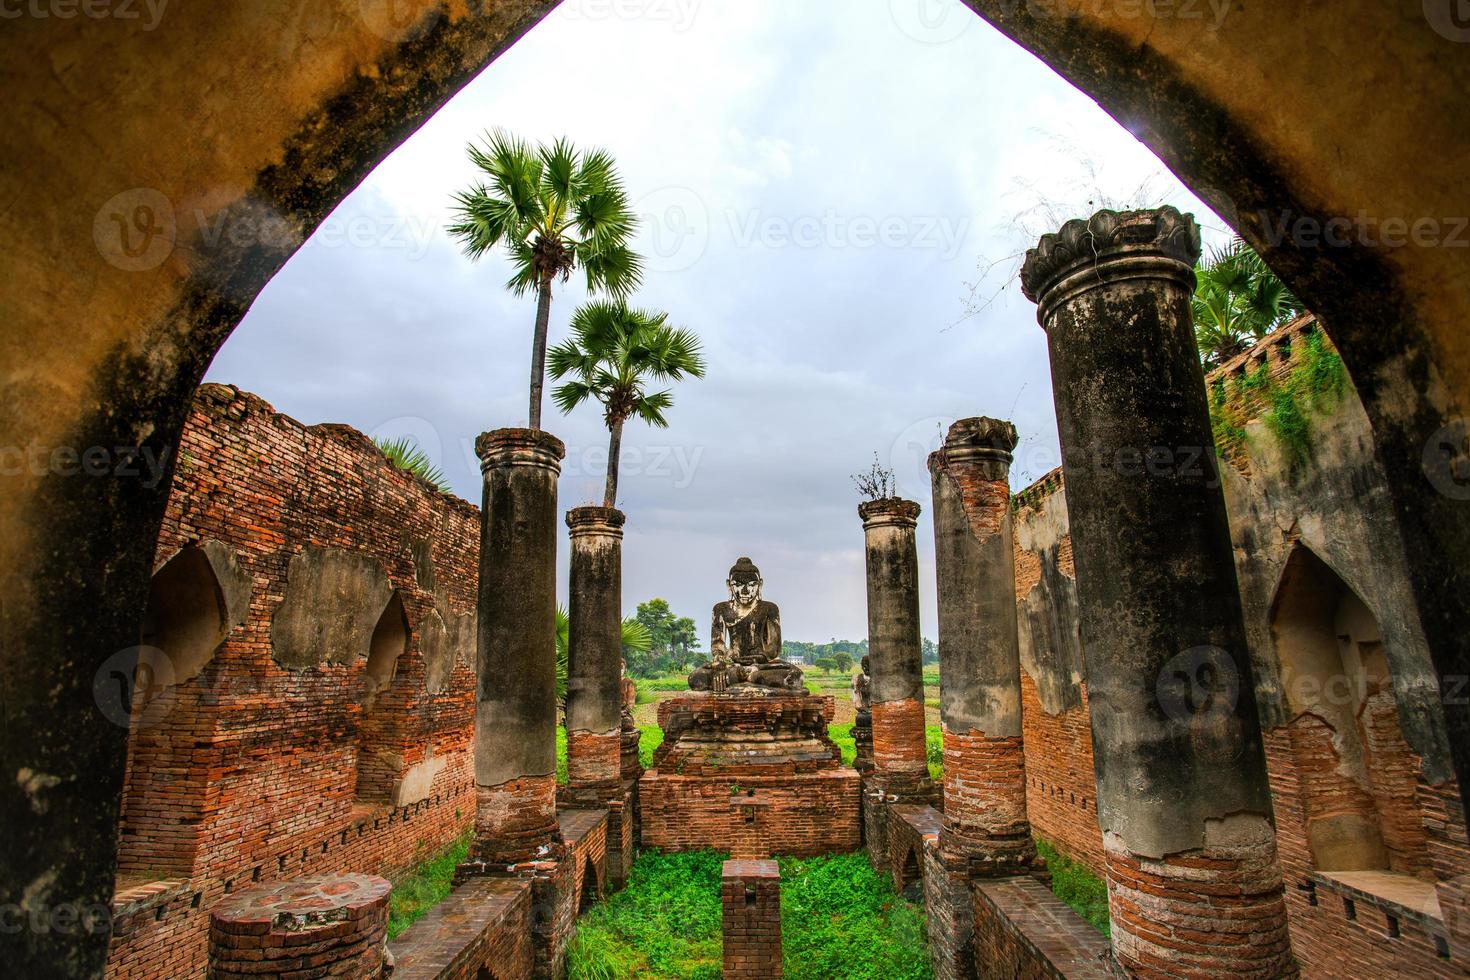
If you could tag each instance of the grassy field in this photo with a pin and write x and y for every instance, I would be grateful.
(839, 919)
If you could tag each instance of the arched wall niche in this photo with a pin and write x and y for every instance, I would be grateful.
(388, 642)
(1252, 110)
(1359, 800)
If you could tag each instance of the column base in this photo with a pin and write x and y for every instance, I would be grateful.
(1216, 911)
(986, 833)
(515, 823)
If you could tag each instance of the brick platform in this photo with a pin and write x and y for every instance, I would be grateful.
(309, 927)
(484, 924)
(749, 774)
(750, 898)
(1024, 932)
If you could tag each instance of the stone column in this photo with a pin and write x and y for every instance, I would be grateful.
(985, 827)
(1183, 800)
(894, 651)
(515, 711)
(595, 653)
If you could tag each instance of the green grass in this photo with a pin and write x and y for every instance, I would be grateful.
(1075, 885)
(426, 887)
(839, 919)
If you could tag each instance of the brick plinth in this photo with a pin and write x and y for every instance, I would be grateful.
(516, 822)
(986, 831)
(484, 925)
(1024, 932)
(309, 927)
(898, 738)
(750, 898)
(1217, 911)
(595, 759)
(752, 775)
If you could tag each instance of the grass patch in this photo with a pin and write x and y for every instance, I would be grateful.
(839, 919)
(933, 745)
(1077, 886)
(426, 887)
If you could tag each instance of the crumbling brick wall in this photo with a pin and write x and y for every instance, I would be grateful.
(264, 755)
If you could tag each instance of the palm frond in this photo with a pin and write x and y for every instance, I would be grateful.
(405, 453)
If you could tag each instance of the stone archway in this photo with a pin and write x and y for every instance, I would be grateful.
(113, 312)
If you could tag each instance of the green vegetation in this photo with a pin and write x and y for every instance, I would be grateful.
(839, 919)
(614, 350)
(406, 454)
(1237, 301)
(553, 209)
(1074, 884)
(426, 887)
(674, 650)
(1314, 386)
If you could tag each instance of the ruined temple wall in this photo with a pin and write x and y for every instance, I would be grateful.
(277, 769)
(1335, 504)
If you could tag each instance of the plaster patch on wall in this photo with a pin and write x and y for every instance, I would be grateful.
(333, 602)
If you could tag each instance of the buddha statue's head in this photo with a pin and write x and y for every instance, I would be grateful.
(744, 583)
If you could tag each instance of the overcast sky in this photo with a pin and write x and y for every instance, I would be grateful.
(822, 183)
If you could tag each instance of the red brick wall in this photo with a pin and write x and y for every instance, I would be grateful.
(750, 900)
(266, 757)
(1061, 786)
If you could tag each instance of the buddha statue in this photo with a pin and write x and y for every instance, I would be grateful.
(745, 640)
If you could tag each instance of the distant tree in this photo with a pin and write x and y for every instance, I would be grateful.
(930, 651)
(826, 664)
(843, 661)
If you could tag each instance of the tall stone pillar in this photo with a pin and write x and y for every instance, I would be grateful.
(596, 740)
(515, 709)
(894, 652)
(985, 832)
(1182, 795)
(595, 653)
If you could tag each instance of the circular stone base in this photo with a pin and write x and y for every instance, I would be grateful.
(340, 921)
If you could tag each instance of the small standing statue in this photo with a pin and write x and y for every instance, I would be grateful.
(745, 640)
(862, 728)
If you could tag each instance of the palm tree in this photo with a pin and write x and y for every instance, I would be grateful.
(406, 454)
(612, 351)
(1237, 301)
(554, 209)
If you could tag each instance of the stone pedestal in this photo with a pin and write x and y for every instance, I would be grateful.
(986, 832)
(1183, 799)
(750, 903)
(515, 716)
(862, 740)
(335, 926)
(753, 774)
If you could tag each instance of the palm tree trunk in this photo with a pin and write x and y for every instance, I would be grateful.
(610, 495)
(538, 352)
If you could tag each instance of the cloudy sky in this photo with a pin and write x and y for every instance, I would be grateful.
(833, 193)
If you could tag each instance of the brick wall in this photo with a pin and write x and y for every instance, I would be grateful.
(750, 901)
(483, 926)
(254, 766)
